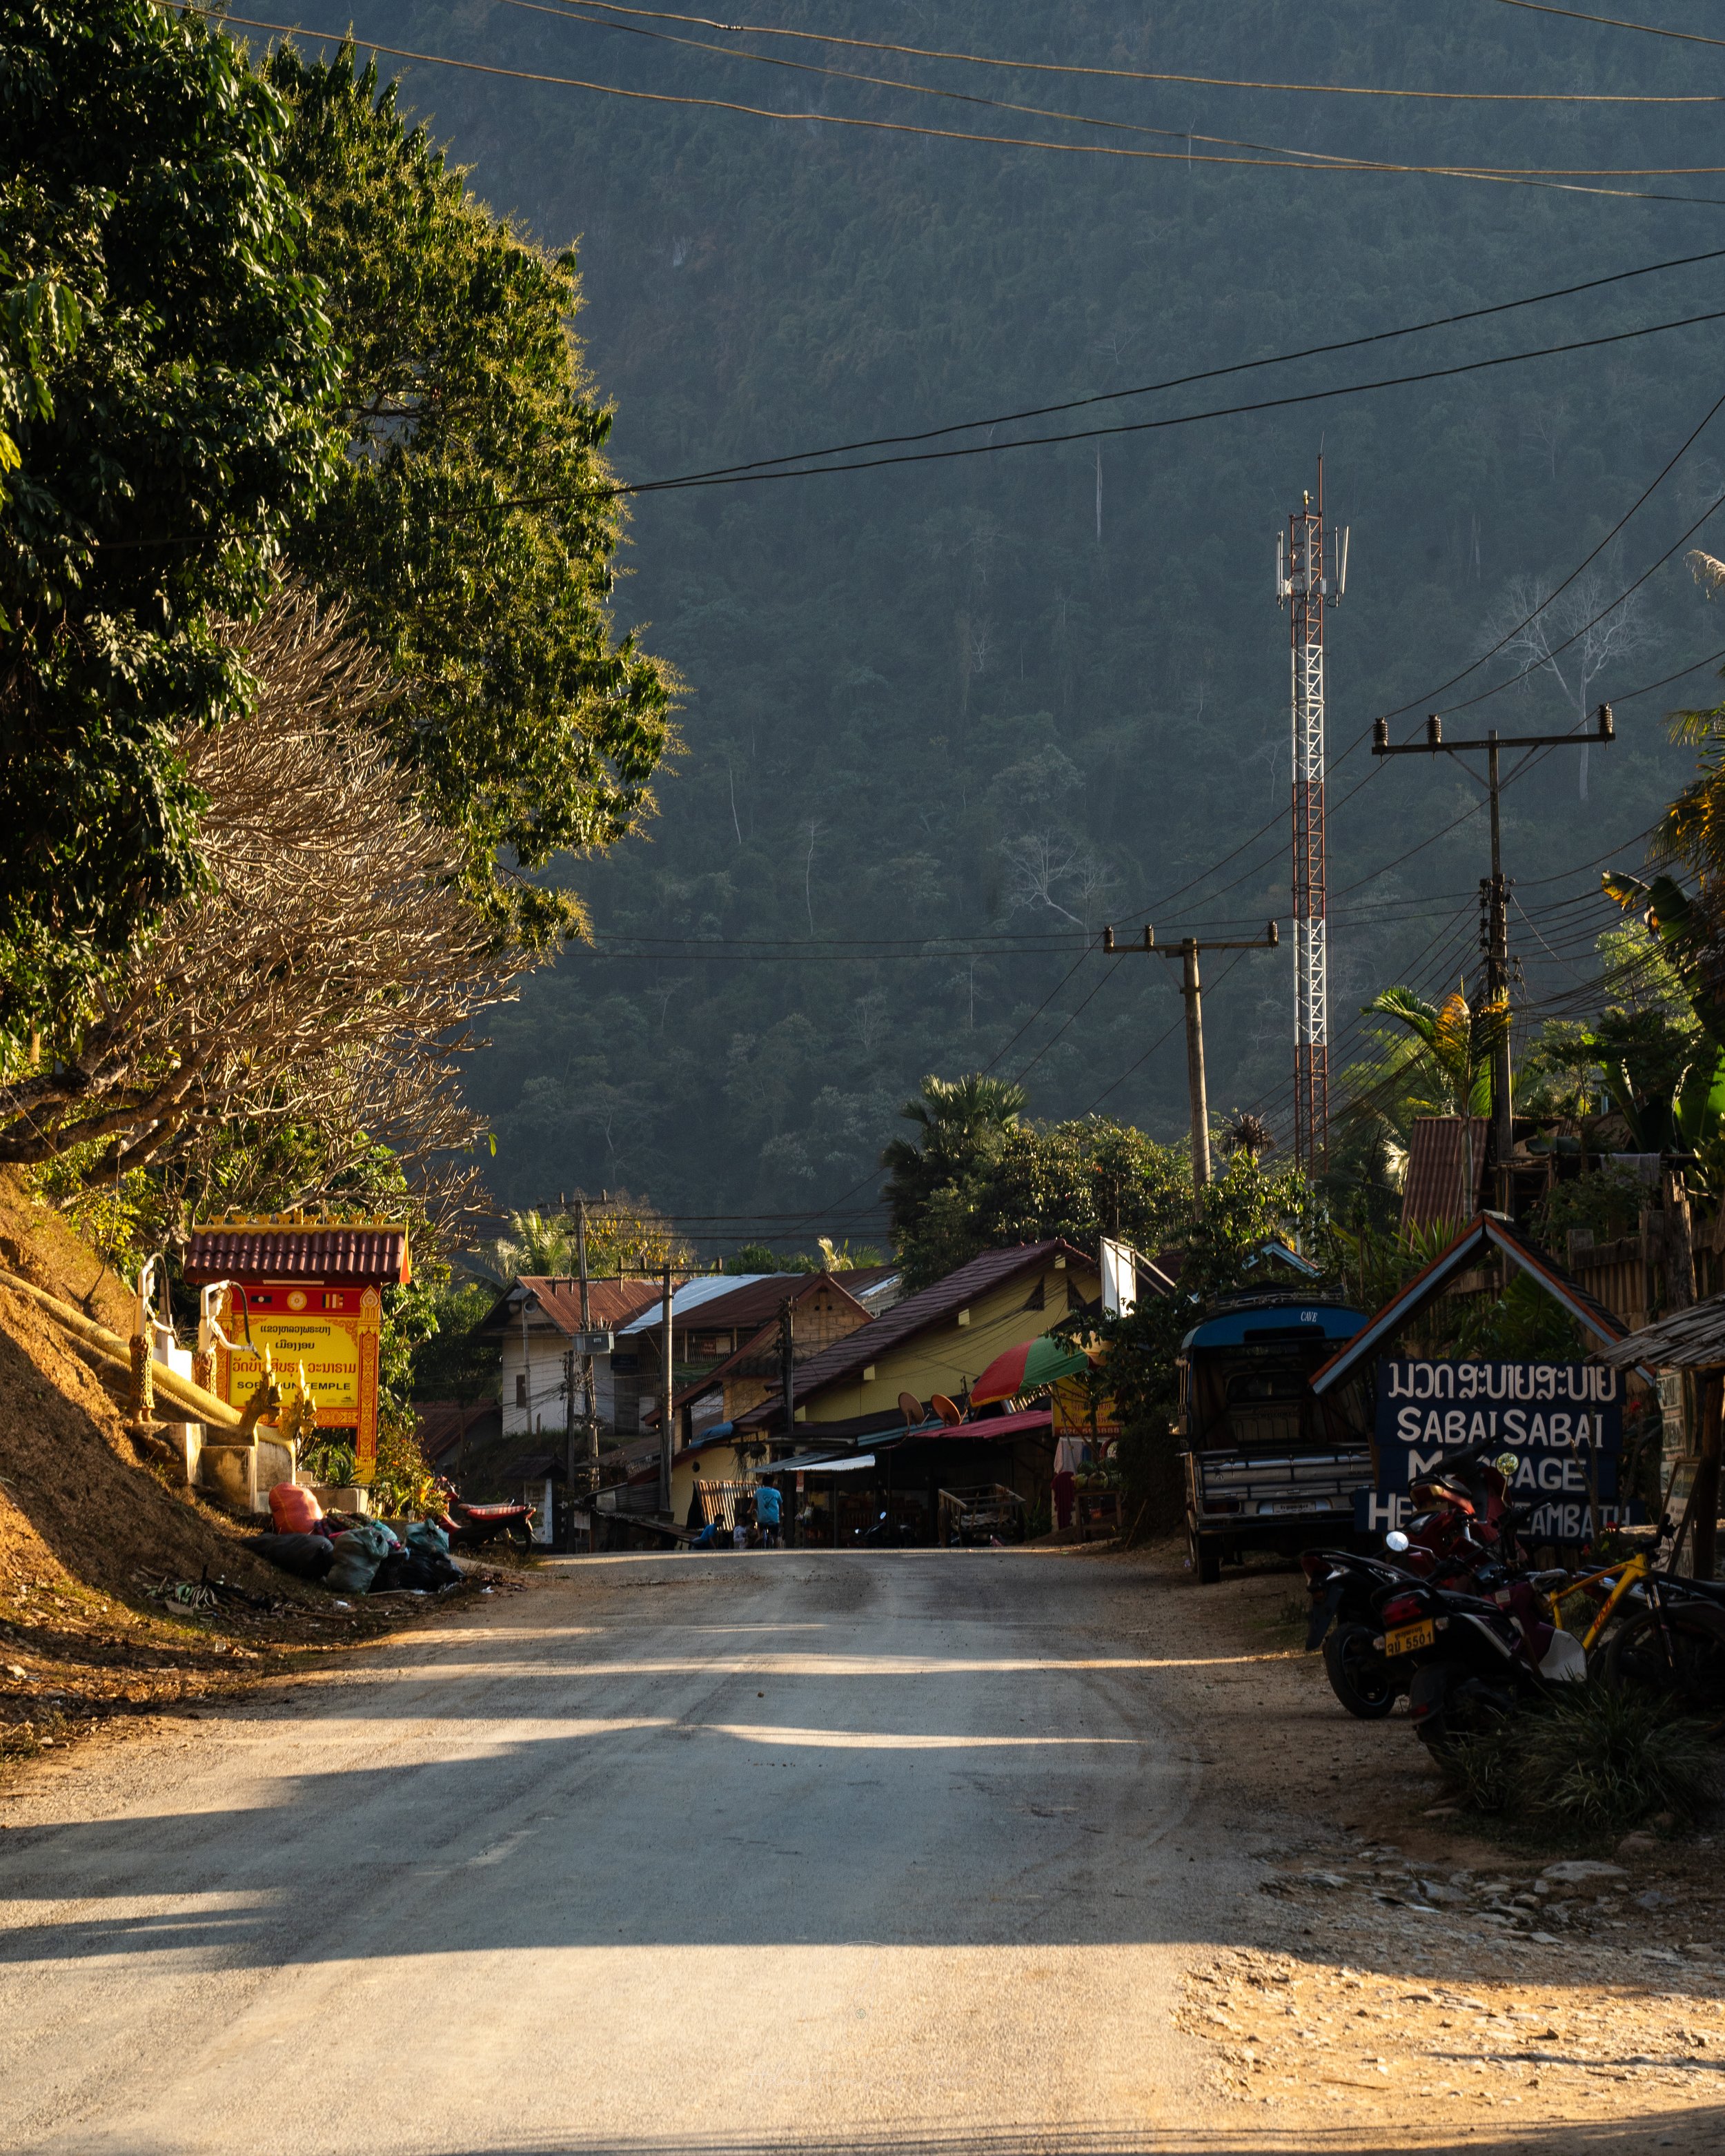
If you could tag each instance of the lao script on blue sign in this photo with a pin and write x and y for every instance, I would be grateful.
(1564, 1422)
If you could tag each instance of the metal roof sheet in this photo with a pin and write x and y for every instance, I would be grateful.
(1433, 1189)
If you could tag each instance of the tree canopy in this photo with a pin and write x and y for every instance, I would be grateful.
(472, 527)
(165, 367)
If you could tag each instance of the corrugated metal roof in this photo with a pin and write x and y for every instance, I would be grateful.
(706, 1294)
(918, 1313)
(367, 1256)
(613, 1302)
(1433, 1189)
(764, 1332)
(1692, 1339)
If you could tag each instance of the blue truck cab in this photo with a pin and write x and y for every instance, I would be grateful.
(1268, 1464)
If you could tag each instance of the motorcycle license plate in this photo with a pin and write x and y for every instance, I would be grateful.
(1406, 1638)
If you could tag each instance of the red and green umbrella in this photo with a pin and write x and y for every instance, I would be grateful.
(1022, 1369)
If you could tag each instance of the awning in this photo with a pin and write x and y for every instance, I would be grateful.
(821, 1463)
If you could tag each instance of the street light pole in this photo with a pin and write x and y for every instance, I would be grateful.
(1494, 890)
(1187, 951)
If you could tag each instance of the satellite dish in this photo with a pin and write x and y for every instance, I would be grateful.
(949, 1411)
(910, 1407)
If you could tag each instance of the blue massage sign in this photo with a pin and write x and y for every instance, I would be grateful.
(1564, 1422)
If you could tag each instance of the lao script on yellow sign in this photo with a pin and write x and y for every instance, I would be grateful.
(330, 1352)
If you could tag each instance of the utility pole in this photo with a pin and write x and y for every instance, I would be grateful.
(1494, 891)
(589, 1415)
(786, 1365)
(1302, 586)
(667, 1420)
(1187, 951)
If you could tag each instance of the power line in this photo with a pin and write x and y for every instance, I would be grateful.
(1146, 75)
(1560, 178)
(1426, 701)
(1220, 373)
(1613, 22)
(584, 14)
(691, 481)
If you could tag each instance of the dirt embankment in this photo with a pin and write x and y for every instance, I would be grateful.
(107, 1570)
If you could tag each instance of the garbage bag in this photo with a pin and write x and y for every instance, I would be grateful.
(428, 1536)
(358, 1553)
(294, 1510)
(430, 1569)
(307, 1557)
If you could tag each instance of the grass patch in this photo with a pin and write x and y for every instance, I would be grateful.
(1594, 1760)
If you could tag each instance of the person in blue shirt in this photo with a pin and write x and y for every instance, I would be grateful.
(767, 1514)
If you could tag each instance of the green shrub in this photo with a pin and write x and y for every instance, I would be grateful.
(1593, 1760)
(1602, 1761)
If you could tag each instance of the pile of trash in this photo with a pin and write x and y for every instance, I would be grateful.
(350, 1554)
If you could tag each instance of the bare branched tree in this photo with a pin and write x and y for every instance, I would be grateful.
(1046, 869)
(323, 978)
(1573, 637)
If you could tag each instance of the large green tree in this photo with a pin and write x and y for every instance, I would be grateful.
(165, 365)
(474, 527)
(978, 1176)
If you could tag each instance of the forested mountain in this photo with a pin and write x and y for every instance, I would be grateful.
(945, 718)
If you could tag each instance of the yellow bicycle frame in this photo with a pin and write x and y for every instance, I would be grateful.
(1627, 1575)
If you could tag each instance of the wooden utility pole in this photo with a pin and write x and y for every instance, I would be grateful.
(1494, 896)
(667, 1418)
(1187, 951)
(787, 1368)
(589, 1405)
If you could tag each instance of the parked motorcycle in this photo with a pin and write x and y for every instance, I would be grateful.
(471, 1527)
(1476, 1657)
(1345, 1588)
(1463, 1518)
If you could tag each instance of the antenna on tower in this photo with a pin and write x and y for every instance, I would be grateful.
(1304, 589)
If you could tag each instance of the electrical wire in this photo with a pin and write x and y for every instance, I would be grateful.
(691, 481)
(1426, 701)
(590, 15)
(1146, 75)
(1559, 178)
(1613, 22)
(1221, 374)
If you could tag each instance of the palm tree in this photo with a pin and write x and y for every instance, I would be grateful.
(959, 1120)
(538, 1244)
(1454, 1042)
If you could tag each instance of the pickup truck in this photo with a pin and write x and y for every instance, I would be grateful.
(1269, 1465)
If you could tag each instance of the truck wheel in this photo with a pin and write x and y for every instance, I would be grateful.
(1359, 1676)
(1209, 1560)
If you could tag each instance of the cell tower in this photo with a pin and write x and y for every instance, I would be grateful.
(1302, 586)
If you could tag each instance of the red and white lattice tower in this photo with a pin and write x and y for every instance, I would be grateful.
(1302, 586)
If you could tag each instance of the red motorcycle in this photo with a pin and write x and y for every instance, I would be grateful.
(1462, 1519)
(471, 1527)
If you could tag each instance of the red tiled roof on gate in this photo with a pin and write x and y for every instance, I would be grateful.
(362, 1253)
(918, 1313)
(1433, 1189)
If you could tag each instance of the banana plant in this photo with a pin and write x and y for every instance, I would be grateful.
(1457, 1042)
(1693, 1120)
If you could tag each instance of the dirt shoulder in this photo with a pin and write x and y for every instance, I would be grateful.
(1414, 1979)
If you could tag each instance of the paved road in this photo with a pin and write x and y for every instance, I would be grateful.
(854, 1852)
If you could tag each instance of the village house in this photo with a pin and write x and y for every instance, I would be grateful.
(534, 1320)
(856, 1447)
